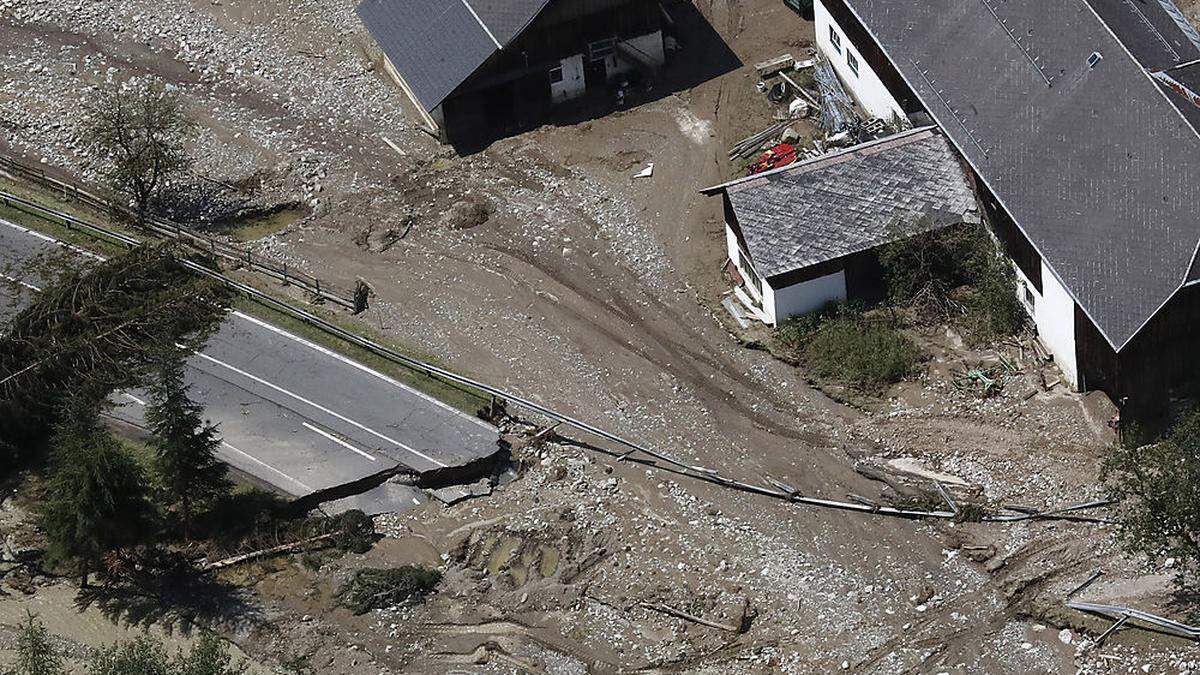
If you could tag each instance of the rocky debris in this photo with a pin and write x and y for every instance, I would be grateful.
(467, 213)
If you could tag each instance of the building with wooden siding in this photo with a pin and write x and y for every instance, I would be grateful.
(491, 67)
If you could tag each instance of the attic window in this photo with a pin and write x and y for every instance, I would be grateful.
(601, 49)
(1094, 59)
(835, 39)
(852, 61)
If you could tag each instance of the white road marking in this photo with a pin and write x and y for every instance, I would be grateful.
(320, 407)
(18, 282)
(366, 369)
(265, 465)
(135, 399)
(337, 440)
(52, 240)
(281, 390)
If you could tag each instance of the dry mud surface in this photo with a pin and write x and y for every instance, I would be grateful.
(541, 265)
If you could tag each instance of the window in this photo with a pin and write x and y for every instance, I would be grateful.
(852, 61)
(835, 39)
(1027, 296)
(556, 75)
(751, 275)
(601, 49)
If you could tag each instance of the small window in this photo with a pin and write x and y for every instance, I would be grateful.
(556, 75)
(852, 61)
(1027, 296)
(835, 39)
(751, 275)
(601, 49)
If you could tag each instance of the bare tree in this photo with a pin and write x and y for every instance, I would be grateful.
(139, 131)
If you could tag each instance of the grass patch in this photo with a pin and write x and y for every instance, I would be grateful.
(257, 227)
(57, 228)
(843, 345)
(466, 399)
(463, 398)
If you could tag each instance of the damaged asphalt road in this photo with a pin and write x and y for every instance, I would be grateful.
(301, 418)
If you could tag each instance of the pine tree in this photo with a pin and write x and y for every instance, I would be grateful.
(35, 654)
(95, 499)
(184, 443)
(143, 655)
(209, 656)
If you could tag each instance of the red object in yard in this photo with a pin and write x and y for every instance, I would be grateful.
(780, 155)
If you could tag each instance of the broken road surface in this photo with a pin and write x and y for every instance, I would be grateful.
(293, 414)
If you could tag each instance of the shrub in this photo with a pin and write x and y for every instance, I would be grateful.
(374, 588)
(1158, 491)
(865, 354)
(925, 270)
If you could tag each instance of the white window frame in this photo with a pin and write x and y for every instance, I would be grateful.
(602, 49)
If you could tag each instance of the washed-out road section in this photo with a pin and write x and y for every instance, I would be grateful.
(292, 414)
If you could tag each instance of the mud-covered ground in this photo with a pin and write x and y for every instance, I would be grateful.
(541, 265)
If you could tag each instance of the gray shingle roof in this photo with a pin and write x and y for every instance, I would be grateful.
(437, 44)
(1098, 168)
(850, 201)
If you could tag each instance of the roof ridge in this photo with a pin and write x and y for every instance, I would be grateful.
(908, 135)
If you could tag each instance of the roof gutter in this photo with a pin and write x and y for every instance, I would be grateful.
(930, 109)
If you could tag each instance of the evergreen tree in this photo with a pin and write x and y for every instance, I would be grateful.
(95, 499)
(142, 655)
(209, 656)
(184, 443)
(35, 654)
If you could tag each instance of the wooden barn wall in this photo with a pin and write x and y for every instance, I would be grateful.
(1016, 245)
(1160, 363)
(874, 56)
(544, 44)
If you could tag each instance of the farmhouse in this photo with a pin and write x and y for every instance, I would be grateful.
(805, 235)
(500, 65)
(1077, 120)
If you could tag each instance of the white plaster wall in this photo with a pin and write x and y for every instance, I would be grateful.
(804, 297)
(572, 84)
(865, 87)
(649, 46)
(1054, 315)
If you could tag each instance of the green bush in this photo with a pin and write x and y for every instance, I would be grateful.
(928, 270)
(1158, 491)
(864, 354)
(373, 588)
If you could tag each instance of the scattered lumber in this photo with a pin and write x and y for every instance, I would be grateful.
(264, 552)
(749, 145)
(771, 67)
(670, 611)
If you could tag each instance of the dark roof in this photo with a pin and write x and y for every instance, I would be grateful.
(437, 44)
(1095, 164)
(1154, 31)
(1182, 86)
(849, 201)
